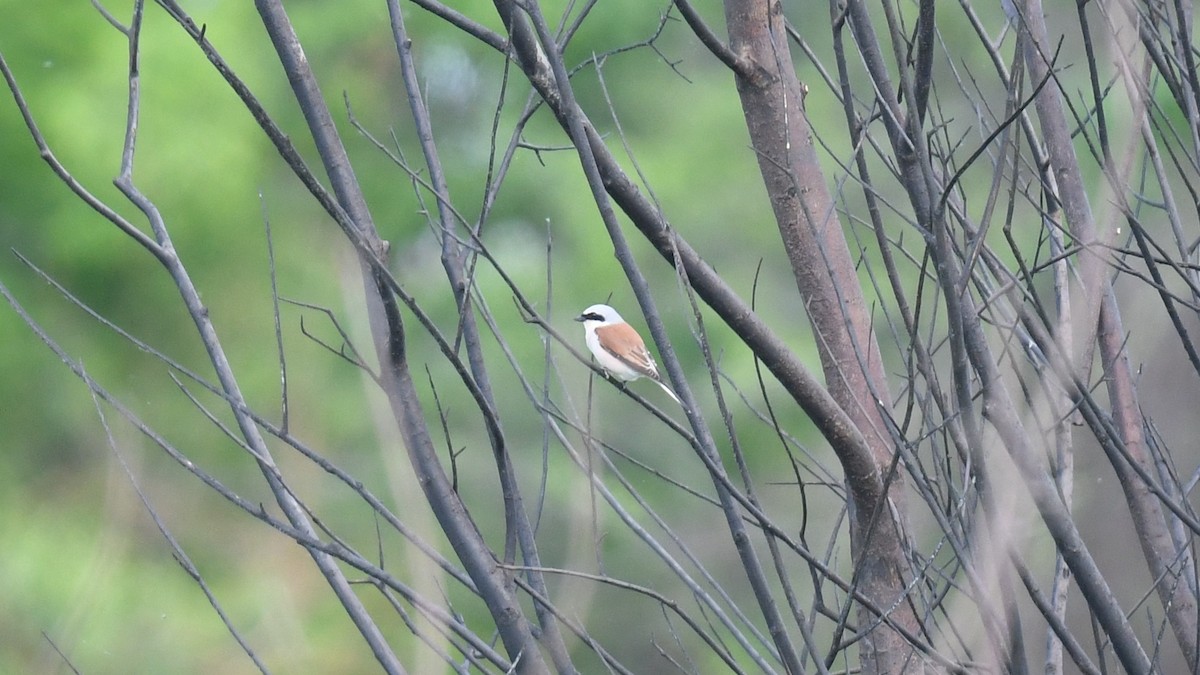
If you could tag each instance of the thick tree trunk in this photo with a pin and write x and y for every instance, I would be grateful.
(772, 101)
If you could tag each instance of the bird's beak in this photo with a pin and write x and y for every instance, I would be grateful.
(581, 318)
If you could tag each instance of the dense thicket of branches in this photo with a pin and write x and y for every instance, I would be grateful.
(985, 205)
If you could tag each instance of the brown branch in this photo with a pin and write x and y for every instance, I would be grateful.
(1102, 312)
(825, 276)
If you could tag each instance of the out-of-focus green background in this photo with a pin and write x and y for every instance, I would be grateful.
(82, 565)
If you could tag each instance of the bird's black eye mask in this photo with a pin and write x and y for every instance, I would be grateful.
(590, 316)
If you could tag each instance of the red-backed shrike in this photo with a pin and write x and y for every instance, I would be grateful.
(618, 348)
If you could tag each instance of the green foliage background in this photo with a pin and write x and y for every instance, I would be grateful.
(82, 564)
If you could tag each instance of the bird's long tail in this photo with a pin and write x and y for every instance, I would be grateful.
(668, 390)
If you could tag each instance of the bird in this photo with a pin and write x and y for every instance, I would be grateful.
(618, 348)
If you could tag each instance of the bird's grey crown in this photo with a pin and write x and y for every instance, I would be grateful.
(601, 313)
